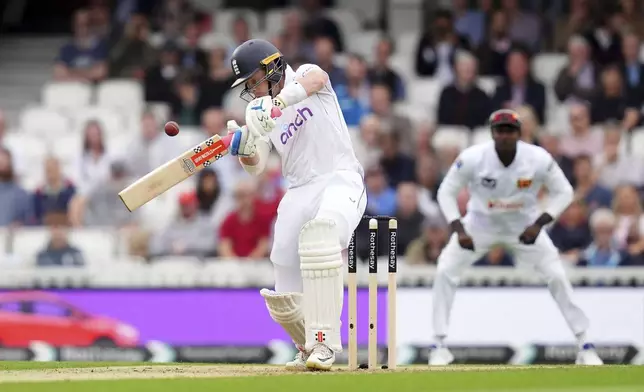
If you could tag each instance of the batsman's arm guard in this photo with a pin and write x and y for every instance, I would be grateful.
(263, 148)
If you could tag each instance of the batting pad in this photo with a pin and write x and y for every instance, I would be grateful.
(321, 265)
(286, 310)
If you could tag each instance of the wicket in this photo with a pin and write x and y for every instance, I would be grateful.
(372, 348)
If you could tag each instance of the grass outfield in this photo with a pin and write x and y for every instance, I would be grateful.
(76, 377)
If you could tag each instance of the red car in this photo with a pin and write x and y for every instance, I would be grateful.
(30, 316)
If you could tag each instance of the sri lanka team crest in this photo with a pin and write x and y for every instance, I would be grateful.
(524, 183)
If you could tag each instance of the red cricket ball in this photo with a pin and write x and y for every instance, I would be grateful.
(171, 128)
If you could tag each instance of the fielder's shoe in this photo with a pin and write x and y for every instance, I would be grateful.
(440, 356)
(299, 362)
(588, 356)
(321, 358)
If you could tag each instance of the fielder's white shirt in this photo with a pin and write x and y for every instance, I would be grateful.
(312, 137)
(504, 199)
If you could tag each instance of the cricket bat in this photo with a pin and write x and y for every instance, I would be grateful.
(174, 171)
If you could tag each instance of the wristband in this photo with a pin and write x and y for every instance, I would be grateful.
(290, 95)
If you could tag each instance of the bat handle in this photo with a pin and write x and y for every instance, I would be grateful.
(276, 112)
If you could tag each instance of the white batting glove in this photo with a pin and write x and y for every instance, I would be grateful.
(243, 142)
(261, 114)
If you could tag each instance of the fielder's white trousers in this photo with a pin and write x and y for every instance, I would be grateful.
(542, 256)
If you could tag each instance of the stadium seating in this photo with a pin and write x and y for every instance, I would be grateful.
(65, 96)
(546, 66)
(451, 137)
(637, 142)
(47, 124)
(224, 19)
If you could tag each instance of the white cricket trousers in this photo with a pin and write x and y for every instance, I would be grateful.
(543, 256)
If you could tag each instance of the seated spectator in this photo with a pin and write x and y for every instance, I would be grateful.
(172, 16)
(398, 167)
(615, 167)
(85, 57)
(496, 257)
(229, 171)
(98, 206)
(382, 73)
(294, 44)
(577, 80)
(551, 143)
(325, 59)
(186, 109)
(132, 54)
(605, 38)
(16, 208)
(381, 198)
(446, 157)
(398, 124)
(100, 21)
(429, 179)
(354, 96)
(631, 18)
(216, 83)
(245, 232)
(51, 201)
(93, 165)
(159, 79)
(366, 141)
(191, 234)
(520, 88)
(577, 22)
(570, 233)
(583, 140)
(19, 162)
(525, 26)
(427, 247)
(493, 52)
(469, 23)
(317, 24)
(603, 251)
(193, 58)
(632, 68)
(615, 103)
(410, 220)
(240, 32)
(59, 252)
(150, 149)
(212, 202)
(270, 189)
(586, 187)
(530, 128)
(463, 102)
(629, 229)
(437, 47)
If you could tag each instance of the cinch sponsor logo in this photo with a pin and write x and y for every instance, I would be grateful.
(502, 205)
(208, 152)
(290, 129)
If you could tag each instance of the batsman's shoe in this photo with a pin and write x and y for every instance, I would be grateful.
(299, 362)
(588, 356)
(321, 358)
(440, 356)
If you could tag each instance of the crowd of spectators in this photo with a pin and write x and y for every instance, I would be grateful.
(229, 214)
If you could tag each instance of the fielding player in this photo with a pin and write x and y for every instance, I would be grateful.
(325, 199)
(504, 177)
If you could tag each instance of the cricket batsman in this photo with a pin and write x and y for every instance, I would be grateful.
(504, 177)
(325, 199)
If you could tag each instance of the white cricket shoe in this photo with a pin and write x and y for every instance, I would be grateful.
(320, 358)
(299, 362)
(440, 356)
(588, 356)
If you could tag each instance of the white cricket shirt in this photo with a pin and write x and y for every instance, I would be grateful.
(504, 199)
(312, 137)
